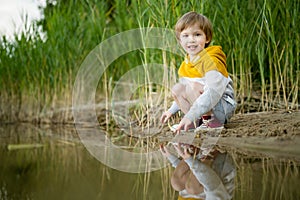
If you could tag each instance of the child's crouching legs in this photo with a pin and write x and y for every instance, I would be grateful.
(193, 90)
(179, 95)
(186, 93)
(180, 176)
(178, 91)
(192, 185)
(223, 111)
(183, 178)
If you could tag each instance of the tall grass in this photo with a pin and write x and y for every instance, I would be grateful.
(260, 38)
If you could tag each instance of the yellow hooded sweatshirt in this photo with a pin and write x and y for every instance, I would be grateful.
(211, 58)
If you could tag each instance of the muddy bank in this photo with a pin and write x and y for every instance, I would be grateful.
(269, 134)
(281, 124)
(274, 134)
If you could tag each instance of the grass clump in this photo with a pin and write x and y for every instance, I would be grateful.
(260, 38)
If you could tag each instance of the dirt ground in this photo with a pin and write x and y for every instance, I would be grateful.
(275, 134)
(267, 134)
(265, 124)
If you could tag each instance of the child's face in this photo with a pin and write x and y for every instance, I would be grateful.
(193, 40)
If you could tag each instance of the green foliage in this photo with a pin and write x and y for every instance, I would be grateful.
(260, 38)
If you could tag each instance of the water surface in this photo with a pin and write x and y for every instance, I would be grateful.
(51, 163)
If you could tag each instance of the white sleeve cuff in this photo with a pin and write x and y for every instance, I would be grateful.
(174, 108)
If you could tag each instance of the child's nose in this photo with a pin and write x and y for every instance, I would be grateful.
(192, 38)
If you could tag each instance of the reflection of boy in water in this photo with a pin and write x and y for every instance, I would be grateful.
(201, 178)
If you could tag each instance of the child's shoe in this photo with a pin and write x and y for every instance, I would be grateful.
(213, 123)
(175, 126)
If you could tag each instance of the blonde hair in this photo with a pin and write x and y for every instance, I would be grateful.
(192, 18)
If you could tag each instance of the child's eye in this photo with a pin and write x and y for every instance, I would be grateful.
(198, 34)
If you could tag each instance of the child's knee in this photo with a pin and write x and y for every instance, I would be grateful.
(177, 183)
(194, 90)
(193, 189)
(197, 87)
(223, 111)
(177, 89)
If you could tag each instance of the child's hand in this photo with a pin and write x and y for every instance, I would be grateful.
(164, 151)
(165, 116)
(185, 123)
(182, 153)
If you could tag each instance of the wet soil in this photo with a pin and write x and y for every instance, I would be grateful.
(270, 134)
(265, 124)
(274, 134)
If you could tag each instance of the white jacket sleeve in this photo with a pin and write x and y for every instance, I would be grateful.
(215, 87)
(174, 108)
(174, 160)
(213, 187)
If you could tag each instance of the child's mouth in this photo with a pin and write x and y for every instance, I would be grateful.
(192, 47)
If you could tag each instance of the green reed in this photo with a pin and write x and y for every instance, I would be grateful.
(260, 38)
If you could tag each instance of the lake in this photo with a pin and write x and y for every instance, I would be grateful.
(51, 162)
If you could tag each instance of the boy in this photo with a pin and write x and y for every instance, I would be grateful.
(204, 88)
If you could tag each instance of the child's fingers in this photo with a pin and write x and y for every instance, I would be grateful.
(162, 149)
(185, 150)
(177, 131)
(166, 119)
(186, 128)
(166, 150)
(162, 119)
(178, 149)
